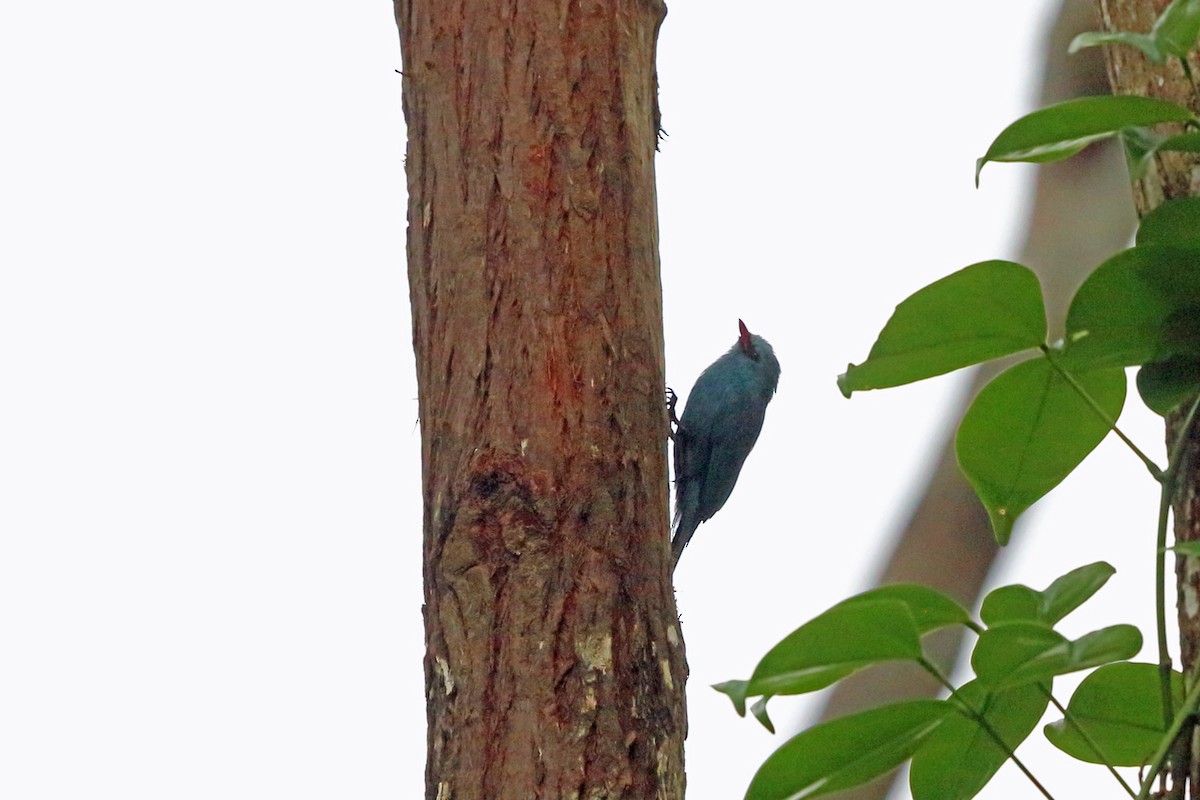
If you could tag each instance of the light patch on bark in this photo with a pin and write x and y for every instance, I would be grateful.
(1188, 592)
(595, 651)
(666, 671)
(444, 670)
(587, 713)
(663, 764)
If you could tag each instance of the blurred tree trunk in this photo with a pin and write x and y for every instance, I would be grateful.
(1172, 176)
(1081, 215)
(554, 665)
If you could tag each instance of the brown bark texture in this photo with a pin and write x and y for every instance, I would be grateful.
(1173, 175)
(554, 664)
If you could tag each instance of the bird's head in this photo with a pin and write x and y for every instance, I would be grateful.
(760, 353)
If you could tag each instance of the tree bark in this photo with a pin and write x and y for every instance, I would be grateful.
(554, 664)
(1172, 175)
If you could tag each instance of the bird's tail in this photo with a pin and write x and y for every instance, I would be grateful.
(687, 519)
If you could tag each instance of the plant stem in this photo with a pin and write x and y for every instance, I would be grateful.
(1160, 599)
(1112, 423)
(1187, 71)
(1174, 458)
(1166, 493)
(1087, 738)
(1164, 747)
(982, 722)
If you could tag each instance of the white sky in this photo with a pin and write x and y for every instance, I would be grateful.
(209, 472)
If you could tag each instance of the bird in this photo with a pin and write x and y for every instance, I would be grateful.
(720, 424)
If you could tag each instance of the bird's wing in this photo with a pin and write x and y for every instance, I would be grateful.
(728, 444)
(692, 446)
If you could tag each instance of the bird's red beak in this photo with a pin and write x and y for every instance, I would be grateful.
(744, 340)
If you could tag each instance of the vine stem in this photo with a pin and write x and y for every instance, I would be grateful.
(1164, 747)
(1155, 470)
(1160, 598)
(1166, 493)
(982, 722)
(1166, 480)
(1175, 456)
(1187, 71)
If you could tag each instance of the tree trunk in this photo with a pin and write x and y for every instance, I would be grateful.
(554, 664)
(1172, 175)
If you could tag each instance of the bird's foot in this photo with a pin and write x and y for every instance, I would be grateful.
(672, 400)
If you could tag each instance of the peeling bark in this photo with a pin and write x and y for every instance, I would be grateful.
(554, 665)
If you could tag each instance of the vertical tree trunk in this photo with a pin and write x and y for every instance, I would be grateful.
(554, 664)
(1173, 175)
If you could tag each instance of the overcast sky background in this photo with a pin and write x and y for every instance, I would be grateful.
(209, 459)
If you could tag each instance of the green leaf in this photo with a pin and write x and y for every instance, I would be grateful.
(1141, 41)
(759, 710)
(1141, 144)
(960, 757)
(830, 646)
(883, 624)
(1027, 430)
(1072, 590)
(1114, 643)
(1188, 142)
(1120, 707)
(1174, 34)
(737, 693)
(1013, 603)
(847, 752)
(1019, 653)
(984, 311)
(1191, 548)
(1017, 603)
(1166, 385)
(1176, 29)
(930, 608)
(1175, 222)
(1061, 130)
(1139, 306)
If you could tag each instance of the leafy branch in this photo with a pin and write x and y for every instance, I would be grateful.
(956, 745)
(1029, 428)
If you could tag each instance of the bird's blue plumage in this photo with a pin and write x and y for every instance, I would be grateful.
(719, 426)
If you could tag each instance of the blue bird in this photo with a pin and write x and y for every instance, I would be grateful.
(719, 427)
